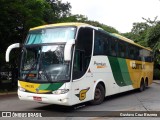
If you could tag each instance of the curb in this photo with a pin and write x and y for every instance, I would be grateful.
(156, 82)
(8, 93)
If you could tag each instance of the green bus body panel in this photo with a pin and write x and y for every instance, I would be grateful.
(52, 87)
(120, 71)
(124, 71)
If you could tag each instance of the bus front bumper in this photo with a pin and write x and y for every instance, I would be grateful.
(61, 99)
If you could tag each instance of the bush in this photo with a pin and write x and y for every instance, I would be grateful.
(156, 74)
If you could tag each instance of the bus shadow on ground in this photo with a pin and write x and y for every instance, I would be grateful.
(60, 108)
(82, 106)
(123, 94)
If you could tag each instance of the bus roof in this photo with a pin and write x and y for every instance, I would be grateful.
(78, 24)
(129, 41)
(62, 24)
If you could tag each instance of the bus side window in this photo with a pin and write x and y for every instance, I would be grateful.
(122, 49)
(106, 44)
(131, 52)
(147, 55)
(127, 50)
(138, 57)
(113, 47)
(99, 44)
(151, 57)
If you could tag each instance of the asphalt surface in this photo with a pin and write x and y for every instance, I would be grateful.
(148, 100)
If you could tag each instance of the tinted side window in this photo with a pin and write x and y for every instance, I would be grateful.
(147, 56)
(101, 43)
(106, 44)
(132, 52)
(122, 49)
(98, 44)
(137, 53)
(113, 47)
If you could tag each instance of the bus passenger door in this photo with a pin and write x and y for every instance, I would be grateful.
(78, 66)
(81, 84)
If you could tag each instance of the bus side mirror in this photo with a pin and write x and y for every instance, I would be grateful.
(67, 50)
(15, 45)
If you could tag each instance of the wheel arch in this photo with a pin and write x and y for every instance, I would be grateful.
(96, 83)
(141, 80)
(146, 80)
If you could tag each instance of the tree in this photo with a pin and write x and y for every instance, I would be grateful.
(153, 40)
(84, 19)
(58, 12)
(75, 18)
(138, 33)
(140, 30)
(153, 37)
(18, 16)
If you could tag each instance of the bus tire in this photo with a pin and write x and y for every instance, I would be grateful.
(99, 95)
(142, 86)
(146, 83)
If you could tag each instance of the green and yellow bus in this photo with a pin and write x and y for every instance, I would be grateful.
(71, 63)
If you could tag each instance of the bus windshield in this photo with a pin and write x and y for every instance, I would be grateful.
(44, 64)
(51, 35)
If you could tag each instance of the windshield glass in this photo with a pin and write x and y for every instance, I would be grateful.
(44, 63)
(51, 35)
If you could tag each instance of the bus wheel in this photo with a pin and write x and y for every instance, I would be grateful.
(98, 95)
(142, 86)
(146, 83)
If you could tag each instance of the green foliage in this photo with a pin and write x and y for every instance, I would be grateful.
(74, 18)
(58, 11)
(153, 37)
(138, 33)
(139, 28)
(148, 34)
(18, 16)
(84, 19)
(156, 74)
(153, 40)
(103, 26)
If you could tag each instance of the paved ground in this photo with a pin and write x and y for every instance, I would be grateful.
(149, 100)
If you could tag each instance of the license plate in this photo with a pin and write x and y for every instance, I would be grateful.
(37, 98)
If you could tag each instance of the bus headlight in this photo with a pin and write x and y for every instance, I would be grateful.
(60, 91)
(21, 89)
